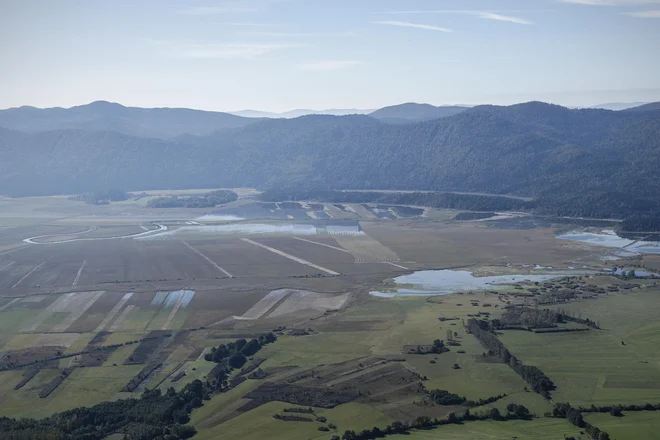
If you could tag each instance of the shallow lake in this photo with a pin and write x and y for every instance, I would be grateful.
(444, 282)
(609, 238)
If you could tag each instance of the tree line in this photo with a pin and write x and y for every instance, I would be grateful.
(210, 200)
(537, 380)
(573, 415)
(513, 412)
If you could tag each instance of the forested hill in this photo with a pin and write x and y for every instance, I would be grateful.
(533, 149)
(101, 115)
(413, 112)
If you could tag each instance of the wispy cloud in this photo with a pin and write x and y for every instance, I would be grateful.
(427, 27)
(303, 34)
(611, 2)
(644, 14)
(326, 65)
(247, 24)
(500, 17)
(487, 15)
(221, 50)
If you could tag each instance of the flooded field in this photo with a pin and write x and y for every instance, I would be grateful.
(609, 238)
(444, 282)
(321, 228)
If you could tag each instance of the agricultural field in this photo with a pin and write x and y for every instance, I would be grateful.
(99, 303)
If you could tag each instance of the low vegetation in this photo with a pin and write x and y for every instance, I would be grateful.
(210, 200)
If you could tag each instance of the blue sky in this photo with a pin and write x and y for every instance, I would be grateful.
(278, 55)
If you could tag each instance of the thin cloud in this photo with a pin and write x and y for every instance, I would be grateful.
(427, 27)
(500, 17)
(611, 2)
(326, 65)
(487, 15)
(247, 24)
(644, 14)
(304, 34)
(222, 50)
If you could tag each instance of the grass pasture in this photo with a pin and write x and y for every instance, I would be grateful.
(633, 425)
(617, 364)
(333, 334)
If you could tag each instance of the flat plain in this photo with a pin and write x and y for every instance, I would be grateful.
(168, 296)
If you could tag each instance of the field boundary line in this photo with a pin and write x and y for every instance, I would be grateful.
(113, 312)
(27, 275)
(8, 266)
(17, 248)
(291, 257)
(176, 308)
(207, 259)
(82, 266)
(323, 244)
(9, 304)
(395, 265)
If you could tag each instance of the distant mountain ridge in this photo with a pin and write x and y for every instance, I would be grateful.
(161, 123)
(414, 112)
(589, 162)
(300, 112)
(617, 106)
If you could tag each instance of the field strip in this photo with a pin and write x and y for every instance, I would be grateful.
(9, 304)
(117, 325)
(322, 244)
(201, 355)
(291, 257)
(87, 300)
(82, 266)
(264, 305)
(207, 259)
(56, 306)
(27, 275)
(144, 228)
(110, 316)
(396, 265)
(8, 266)
(173, 312)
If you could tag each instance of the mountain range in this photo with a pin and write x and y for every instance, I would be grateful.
(533, 149)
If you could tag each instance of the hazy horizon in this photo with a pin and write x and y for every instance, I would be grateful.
(278, 55)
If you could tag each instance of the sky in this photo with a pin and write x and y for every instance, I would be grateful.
(278, 55)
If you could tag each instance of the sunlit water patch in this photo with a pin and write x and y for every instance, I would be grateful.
(259, 229)
(609, 238)
(444, 282)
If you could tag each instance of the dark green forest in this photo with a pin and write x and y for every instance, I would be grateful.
(589, 162)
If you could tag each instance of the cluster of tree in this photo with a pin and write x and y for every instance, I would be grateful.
(514, 412)
(616, 410)
(573, 415)
(233, 355)
(448, 200)
(444, 397)
(526, 317)
(102, 197)
(537, 380)
(209, 200)
(649, 222)
(152, 416)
